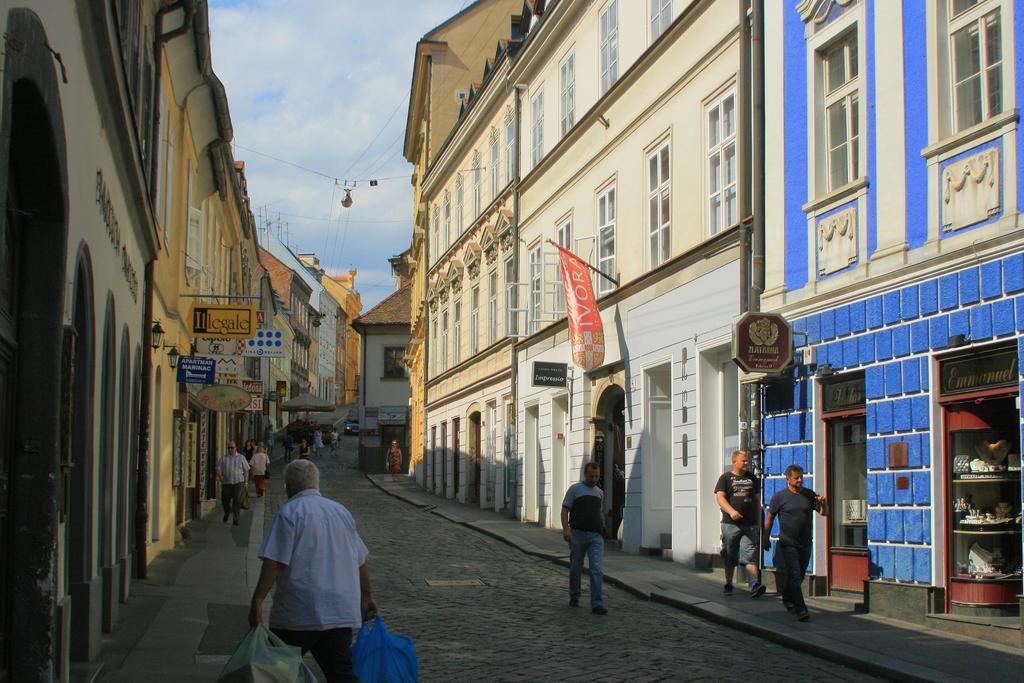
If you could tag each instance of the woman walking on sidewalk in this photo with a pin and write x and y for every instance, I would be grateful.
(260, 462)
(394, 460)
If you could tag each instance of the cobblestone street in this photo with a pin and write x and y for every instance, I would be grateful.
(513, 623)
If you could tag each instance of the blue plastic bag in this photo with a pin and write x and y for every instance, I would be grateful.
(380, 656)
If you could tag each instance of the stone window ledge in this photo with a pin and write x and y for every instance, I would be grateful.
(971, 134)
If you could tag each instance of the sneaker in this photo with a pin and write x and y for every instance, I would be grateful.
(789, 607)
(727, 589)
(574, 603)
(758, 589)
(599, 610)
(803, 616)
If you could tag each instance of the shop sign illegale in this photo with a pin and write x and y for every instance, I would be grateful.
(227, 320)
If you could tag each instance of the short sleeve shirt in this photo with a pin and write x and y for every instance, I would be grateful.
(319, 589)
(584, 503)
(232, 468)
(741, 492)
(794, 512)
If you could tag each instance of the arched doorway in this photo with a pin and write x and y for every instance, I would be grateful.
(610, 452)
(473, 463)
(33, 238)
(107, 469)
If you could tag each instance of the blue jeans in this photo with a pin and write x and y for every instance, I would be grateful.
(790, 567)
(591, 544)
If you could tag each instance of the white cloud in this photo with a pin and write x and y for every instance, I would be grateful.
(313, 82)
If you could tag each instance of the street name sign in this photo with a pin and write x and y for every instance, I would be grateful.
(549, 374)
(236, 321)
(196, 370)
(762, 342)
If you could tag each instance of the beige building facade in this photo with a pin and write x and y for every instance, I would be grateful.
(448, 60)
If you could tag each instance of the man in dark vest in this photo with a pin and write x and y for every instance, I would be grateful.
(583, 529)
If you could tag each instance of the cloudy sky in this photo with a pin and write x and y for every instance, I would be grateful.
(323, 85)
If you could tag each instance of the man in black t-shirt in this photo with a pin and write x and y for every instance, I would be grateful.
(794, 506)
(738, 495)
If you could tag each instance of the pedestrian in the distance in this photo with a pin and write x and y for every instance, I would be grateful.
(393, 460)
(289, 447)
(260, 462)
(233, 475)
(304, 450)
(334, 442)
(248, 449)
(314, 554)
(738, 497)
(583, 530)
(318, 443)
(794, 506)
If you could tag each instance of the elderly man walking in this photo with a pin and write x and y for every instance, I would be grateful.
(317, 559)
(233, 475)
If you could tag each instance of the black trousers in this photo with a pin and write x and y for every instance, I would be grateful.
(231, 498)
(332, 650)
(790, 567)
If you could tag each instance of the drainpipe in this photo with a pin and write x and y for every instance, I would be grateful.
(514, 375)
(427, 483)
(743, 201)
(757, 162)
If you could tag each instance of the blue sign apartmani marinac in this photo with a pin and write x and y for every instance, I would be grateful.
(196, 370)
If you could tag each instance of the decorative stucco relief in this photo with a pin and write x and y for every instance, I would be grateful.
(970, 190)
(837, 241)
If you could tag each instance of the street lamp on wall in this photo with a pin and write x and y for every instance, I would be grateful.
(158, 335)
(172, 357)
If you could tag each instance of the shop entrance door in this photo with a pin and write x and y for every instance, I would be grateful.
(473, 485)
(848, 490)
(456, 458)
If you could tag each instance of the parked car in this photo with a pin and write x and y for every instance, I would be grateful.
(352, 424)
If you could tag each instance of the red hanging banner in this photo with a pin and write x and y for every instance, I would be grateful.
(586, 332)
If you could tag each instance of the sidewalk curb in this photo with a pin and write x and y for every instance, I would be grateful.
(809, 643)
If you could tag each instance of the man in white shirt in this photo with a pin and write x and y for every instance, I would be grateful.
(233, 475)
(316, 557)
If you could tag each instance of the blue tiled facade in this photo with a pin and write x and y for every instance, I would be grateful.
(894, 347)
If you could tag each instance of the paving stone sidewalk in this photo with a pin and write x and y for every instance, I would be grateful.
(882, 647)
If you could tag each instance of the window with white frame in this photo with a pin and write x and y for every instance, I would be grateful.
(447, 220)
(606, 238)
(495, 166)
(437, 250)
(537, 113)
(721, 134)
(659, 205)
(434, 339)
(536, 287)
(459, 191)
(609, 45)
(513, 298)
(477, 180)
(976, 61)
(564, 239)
(510, 149)
(841, 90)
(474, 321)
(443, 351)
(567, 90)
(457, 333)
(492, 307)
(661, 17)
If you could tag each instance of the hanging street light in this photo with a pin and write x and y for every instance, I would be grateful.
(172, 357)
(347, 199)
